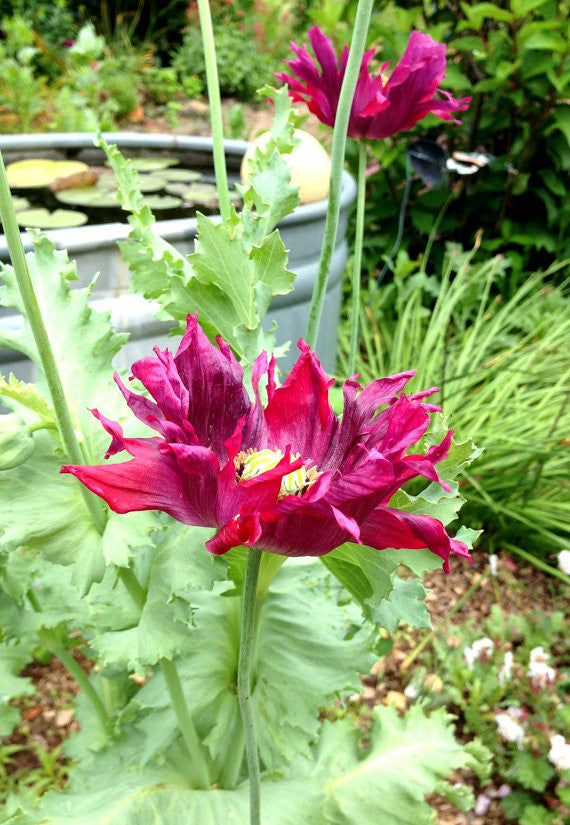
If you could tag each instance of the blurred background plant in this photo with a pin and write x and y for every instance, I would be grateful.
(499, 355)
(513, 57)
(509, 681)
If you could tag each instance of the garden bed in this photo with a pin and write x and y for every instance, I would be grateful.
(48, 720)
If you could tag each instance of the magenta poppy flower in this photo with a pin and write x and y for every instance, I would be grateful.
(382, 105)
(289, 478)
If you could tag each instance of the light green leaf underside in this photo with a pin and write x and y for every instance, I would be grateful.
(388, 783)
(180, 565)
(82, 340)
(151, 799)
(299, 664)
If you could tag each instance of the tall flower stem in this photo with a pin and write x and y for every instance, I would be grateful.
(216, 120)
(357, 46)
(48, 639)
(246, 647)
(357, 259)
(200, 775)
(35, 320)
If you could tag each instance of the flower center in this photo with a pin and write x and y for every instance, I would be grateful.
(250, 464)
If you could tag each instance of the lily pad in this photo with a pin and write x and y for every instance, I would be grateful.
(37, 172)
(89, 196)
(20, 203)
(178, 175)
(157, 202)
(152, 164)
(151, 183)
(195, 193)
(43, 219)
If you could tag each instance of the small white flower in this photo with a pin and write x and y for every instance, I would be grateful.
(541, 674)
(480, 649)
(509, 729)
(411, 692)
(559, 753)
(564, 561)
(506, 671)
(493, 564)
(482, 806)
(538, 654)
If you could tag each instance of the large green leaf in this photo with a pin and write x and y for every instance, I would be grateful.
(180, 565)
(248, 278)
(82, 340)
(388, 781)
(43, 510)
(154, 798)
(301, 661)
(14, 656)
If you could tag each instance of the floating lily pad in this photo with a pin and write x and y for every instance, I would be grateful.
(195, 193)
(151, 183)
(20, 203)
(152, 164)
(89, 196)
(42, 219)
(37, 172)
(157, 202)
(178, 175)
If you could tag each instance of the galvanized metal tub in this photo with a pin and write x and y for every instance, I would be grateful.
(94, 248)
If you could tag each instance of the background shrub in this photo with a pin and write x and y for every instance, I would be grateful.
(513, 58)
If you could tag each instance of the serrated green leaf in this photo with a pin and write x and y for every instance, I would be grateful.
(405, 603)
(13, 658)
(27, 396)
(154, 798)
(82, 340)
(180, 566)
(406, 759)
(461, 796)
(532, 773)
(365, 572)
(43, 510)
(221, 260)
(299, 664)
(268, 195)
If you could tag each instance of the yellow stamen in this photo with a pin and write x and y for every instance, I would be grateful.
(251, 464)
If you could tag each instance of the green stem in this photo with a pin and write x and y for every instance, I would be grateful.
(200, 777)
(216, 120)
(133, 586)
(457, 606)
(43, 345)
(48, 639)
(357, 259)
(358, 44)
(68, 661)
(553, 571)
(246, 646)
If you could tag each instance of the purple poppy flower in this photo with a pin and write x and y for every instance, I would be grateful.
(289, 478)
(382, 105)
